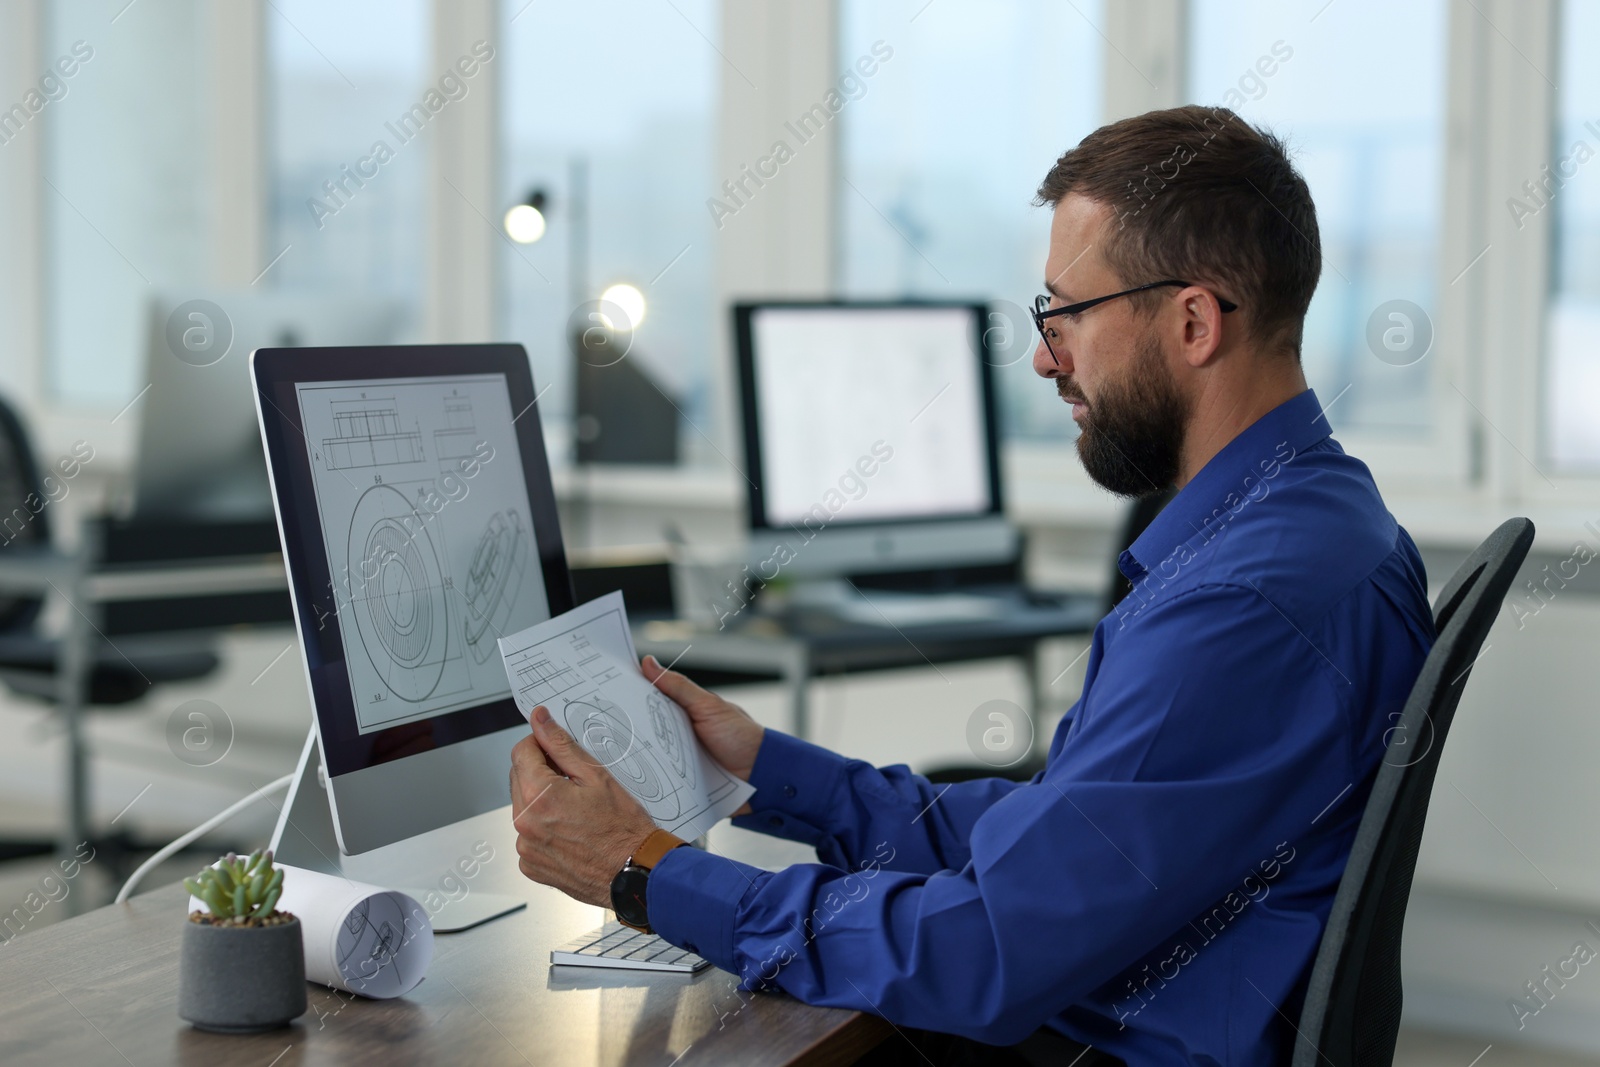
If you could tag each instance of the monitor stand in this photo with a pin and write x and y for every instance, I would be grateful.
(304, 838)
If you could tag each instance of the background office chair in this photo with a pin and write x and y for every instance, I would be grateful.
(1351, 1015)
(119, 672)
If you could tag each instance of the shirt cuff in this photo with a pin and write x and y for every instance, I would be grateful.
(693, 899)
(797, 786)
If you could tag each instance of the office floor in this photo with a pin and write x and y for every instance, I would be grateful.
(918, 717)
(1424, 1048)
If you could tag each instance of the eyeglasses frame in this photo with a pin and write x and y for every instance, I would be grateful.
(1042, 309)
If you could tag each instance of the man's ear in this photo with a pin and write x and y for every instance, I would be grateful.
(1201, 321)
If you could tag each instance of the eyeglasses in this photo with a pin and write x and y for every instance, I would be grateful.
(1042, 309)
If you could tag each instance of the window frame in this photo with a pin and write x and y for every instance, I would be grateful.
(1535, 478)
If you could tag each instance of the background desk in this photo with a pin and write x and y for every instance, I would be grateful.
(797, 646)
(172, 577)
(103, 989)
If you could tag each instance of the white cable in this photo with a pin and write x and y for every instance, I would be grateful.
(205, 827)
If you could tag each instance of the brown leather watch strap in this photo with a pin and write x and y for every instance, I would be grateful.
(657, 845)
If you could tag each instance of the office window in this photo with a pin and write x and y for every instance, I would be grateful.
(125, 198)
(941, 154)
(1572, 367)
(609, 111)
(1357, 87)
(343, 79)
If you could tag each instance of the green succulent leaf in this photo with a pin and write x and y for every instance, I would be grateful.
(239, 887)
(215, 900)
(271, 901)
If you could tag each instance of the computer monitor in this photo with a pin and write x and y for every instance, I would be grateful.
(870, 439)
(418, 523)
(199, 454)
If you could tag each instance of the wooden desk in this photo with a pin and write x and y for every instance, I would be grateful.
(102, 989)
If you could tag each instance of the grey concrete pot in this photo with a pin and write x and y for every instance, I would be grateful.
(241, 979)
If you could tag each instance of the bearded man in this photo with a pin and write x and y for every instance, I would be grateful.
(1157, 893)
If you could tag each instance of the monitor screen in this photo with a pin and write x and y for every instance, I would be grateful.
(422, 504)
(875, 413)
(199, 452)
(419, 526)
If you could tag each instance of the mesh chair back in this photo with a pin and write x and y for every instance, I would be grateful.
(1352, 1009)
(24, 514)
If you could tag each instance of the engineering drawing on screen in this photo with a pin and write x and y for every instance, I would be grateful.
(423, 509)
(367, 433)
(402, 612)
(580, 667)
(493, 581)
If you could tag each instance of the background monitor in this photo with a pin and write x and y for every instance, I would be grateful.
(419, 525)
(199, 452)
(870, 438)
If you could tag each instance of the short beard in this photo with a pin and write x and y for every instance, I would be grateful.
(1131, 437)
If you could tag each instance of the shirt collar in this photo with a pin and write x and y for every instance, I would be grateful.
(1256, 454)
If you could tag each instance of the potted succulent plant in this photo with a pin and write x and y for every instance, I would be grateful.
(242, 967)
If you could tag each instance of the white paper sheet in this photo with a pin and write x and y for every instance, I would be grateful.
(359, 938)
(583, 667)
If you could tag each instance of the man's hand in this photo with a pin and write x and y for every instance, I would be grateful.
(576, 825)
(726, 730)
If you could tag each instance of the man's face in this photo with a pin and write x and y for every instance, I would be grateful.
(1111, 364)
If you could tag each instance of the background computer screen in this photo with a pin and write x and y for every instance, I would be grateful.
(901, 387)
(423, 510)
(199, 452)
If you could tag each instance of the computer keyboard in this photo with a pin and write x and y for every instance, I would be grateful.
(616, 945)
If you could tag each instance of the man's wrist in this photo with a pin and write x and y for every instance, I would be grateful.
(761, 736)
(630, 887)
(657, 844)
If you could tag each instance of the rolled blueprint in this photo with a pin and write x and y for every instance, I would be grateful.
(359, 938)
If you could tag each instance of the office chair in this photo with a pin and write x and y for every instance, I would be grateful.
(19, 477)
(119, 672)
(1351, 1015)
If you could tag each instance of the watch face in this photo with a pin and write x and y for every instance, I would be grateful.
(628, 896)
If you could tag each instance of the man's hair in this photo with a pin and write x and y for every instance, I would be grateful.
(1198, 194)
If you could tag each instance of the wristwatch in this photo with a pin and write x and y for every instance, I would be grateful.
(628, 888)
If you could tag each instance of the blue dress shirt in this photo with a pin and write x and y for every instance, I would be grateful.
(1160, 889)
